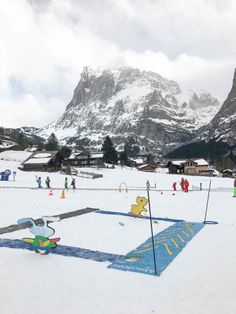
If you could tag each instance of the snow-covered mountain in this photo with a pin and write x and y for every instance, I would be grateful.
(9, 137)
(127, 102)
(5, 144)
(223, 125)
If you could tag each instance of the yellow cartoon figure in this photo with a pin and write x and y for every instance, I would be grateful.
(136, 210)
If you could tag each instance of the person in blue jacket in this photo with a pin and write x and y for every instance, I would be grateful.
(39, 181)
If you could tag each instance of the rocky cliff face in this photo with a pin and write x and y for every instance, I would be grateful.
(126, 102)
(223, 125)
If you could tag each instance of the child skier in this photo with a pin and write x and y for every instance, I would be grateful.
(73, 184)
(174, 186)
(39, 181)
(47, 182)
(66, 183)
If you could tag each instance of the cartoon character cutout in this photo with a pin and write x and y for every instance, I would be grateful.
(42, 244)
(137, 209)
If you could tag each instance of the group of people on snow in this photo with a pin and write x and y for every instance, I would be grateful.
(48, 186)
(183, 183)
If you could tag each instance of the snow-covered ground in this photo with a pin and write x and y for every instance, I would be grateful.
(200, 280)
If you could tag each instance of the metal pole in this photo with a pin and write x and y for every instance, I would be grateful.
(150, 218)
(208, 195)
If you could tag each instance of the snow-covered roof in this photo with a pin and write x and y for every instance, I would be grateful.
(40, 158)
(178, 162)
(42, 155)
(37, 160)
(76, 154)
(32, 149)
(201, 162)
(96, 155)
(138, 160)
(143, 166)
(229, 170)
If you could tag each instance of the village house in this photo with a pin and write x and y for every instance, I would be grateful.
(190, 166)
(147, 168)
(84, 159)
(136, 162)
(197, 166)
(78, 159)
(42, 161)
(175, 166)
(144, 158)
(227, 173)
(96, 159)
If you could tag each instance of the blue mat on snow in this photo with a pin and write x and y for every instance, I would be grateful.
(168, 244)
(64, 250)
(129, 215)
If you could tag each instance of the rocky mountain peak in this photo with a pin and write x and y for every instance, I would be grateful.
(229, 106)
(123, 102)
(223, 125)
(202, 100)
(234, 79)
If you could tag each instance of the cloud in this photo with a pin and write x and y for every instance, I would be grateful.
(190, 72)
(45, 44)
(29, 110)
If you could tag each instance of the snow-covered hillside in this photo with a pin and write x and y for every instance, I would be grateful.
(15, 155)
(128, 102)
(6, 144)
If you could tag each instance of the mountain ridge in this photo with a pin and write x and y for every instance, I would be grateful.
(126, 102)
(223, 125)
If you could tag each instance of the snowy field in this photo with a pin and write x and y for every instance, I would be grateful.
(200, 280)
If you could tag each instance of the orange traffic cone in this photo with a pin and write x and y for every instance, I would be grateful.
(63, 194)
(50, 193)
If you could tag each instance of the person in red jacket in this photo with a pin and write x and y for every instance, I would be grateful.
(186, 185)
(174, 186)
(182, 184)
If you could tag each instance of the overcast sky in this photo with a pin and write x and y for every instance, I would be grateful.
(44, 45)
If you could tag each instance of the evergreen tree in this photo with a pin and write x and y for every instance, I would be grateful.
(211, 150)
(41, 146)
(110, 153)
(52, 143)
(22, 141)
(124, 158)
(224, 162)
(151, 159)
(65, 152)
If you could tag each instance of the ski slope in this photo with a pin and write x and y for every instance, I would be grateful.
(200, 280)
